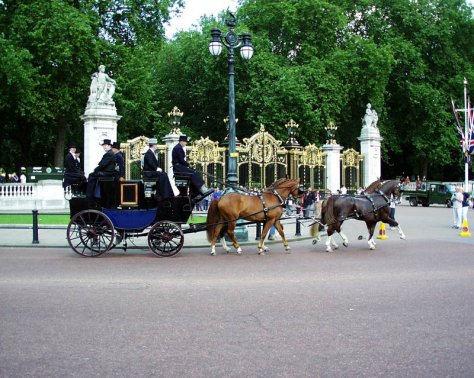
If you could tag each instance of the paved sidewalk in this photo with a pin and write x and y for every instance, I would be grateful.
(55, 236)
(430, 223)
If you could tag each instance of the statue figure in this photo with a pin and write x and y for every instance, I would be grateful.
(102, 87)
(370, 119)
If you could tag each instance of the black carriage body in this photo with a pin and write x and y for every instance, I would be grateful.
(127, 209)
(131, 205)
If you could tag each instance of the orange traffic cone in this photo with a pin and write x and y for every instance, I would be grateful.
(382, 235)
(465, 229)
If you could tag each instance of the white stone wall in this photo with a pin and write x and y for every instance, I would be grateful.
(44, 195)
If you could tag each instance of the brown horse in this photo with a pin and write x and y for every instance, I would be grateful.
(314, 230)
(224, 213)
(370, 208)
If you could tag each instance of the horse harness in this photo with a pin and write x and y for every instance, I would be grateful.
(266, 209)
(375, 209)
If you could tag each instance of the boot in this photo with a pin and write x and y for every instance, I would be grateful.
(204, 191)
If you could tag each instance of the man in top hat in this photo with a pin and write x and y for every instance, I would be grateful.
(72, 167)
(180, 165)
(119, 161)
(151, 170)
(106, 168)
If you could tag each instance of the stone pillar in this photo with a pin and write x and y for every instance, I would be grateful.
(170, 140)
(370, 148)
(100, 122)
(100, 118)
(333, 166)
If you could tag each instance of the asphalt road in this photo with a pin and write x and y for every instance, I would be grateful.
(403, 310)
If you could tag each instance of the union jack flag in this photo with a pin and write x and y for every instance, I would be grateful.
(459, 127)
(470, 120)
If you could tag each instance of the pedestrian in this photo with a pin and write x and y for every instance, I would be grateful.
(308, 203)
(14, 179)
(456, 199)
(393, 204)
(465, 205)
(23, 175)
(271, 234)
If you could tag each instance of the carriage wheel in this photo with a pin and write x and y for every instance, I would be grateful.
(165, 238)
(90, 233)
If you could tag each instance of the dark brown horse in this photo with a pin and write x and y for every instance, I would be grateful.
(224, 213)
(370, 208)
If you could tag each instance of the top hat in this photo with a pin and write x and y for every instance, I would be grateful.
(152, 141)
(183, 138)
(71, 145)
(106, 141)
(116, 145)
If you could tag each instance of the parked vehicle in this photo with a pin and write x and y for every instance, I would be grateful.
(431, 192)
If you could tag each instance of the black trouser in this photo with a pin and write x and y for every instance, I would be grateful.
(163, 182)
(92, 182)
(196, 178)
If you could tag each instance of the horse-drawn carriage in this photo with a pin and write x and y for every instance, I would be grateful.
(128, 209)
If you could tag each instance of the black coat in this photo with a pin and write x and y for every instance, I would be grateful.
(72, 171)
(120, 164)
(180, 165)
(106, 165)
(150, 163)
(178, 156)
(150, 166)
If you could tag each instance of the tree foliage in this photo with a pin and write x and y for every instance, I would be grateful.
(315, 61)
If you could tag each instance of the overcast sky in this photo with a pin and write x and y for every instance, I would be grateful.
(194, 9)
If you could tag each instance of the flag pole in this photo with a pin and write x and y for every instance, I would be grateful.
(466, 137)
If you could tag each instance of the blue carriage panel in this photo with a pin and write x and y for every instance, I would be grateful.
(131, 219)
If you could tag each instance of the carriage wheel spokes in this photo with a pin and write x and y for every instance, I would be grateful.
(165, 238)
(90, 233)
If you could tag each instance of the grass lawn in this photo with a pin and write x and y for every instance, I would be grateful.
(61, 219)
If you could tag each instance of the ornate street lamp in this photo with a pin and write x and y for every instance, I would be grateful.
(232, 41)
(331, 131)
(175, 116)
(292, 126)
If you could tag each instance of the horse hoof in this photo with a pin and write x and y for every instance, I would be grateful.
(239, 251)
(213, 253)
(403, 237)
(329, 251)
(261, 253)
(227, 250)
(345, 244)
(287, 248)
(372, 247)
(266, 249)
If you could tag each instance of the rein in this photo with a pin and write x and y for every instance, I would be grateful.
(374, 210)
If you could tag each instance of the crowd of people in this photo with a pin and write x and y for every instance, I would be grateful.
(13, 177)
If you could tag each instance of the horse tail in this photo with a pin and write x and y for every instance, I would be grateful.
(214, 219)
(315, 227)
(327, 214)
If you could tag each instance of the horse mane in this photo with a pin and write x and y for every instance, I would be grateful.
(388, 186)
(373, 186)
(277, 183)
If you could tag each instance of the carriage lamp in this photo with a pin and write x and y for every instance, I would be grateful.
(231, 41)
(175, 116)
(331, 132)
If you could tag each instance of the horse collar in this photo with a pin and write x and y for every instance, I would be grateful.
(279, 196)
